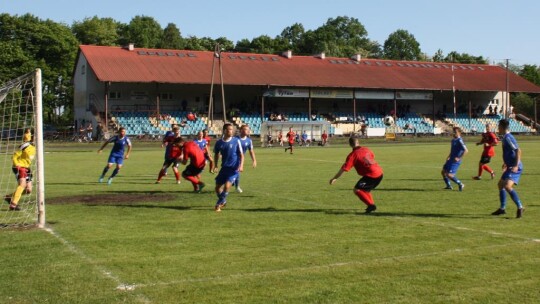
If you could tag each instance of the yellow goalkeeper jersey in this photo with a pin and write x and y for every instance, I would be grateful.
(24, 155)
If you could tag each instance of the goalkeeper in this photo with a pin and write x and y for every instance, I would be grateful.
(22, 160)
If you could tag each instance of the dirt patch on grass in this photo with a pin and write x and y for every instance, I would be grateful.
(109, 199)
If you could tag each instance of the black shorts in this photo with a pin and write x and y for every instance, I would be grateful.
(192, 170)
(171, 161)
(485, 159)
(368, 183)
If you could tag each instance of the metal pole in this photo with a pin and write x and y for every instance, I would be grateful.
(309, 105)
(454, 92)
(211, 98)
(355, 117)
(39, 148)
(107, 87)
(222, 86)
(507, 93)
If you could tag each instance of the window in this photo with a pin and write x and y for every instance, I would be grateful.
(83, 69)
(165, 96)
(115, 95)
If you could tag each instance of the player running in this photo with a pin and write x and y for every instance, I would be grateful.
(363, 160)
(197, 161)
(230, 150)
(512, 169)
(489, 140)
(291, 137)
(173, 156)
(247, 145)
(453, 161)
(117, 157)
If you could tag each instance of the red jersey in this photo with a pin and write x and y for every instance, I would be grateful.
(489, 139)
(174, 152)
(324, 136)
(195, 154)
(207, 140)
(291, 136)
(363, 160)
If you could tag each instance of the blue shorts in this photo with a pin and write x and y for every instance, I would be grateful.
(115, 159)
(227, 175)
(451, 166)
(509, 175)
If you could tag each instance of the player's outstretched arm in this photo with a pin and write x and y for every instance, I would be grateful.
(127, 153)
(338, 175)
(103, 146)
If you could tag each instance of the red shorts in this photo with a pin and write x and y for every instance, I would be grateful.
(21, 172)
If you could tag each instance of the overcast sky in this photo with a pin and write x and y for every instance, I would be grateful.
(494, 29)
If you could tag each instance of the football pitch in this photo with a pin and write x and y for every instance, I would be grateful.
(290, 237)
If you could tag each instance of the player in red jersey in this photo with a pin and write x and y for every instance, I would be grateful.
(489, 140)
(172, 157)
(208, 138)
(197, 161)
(290, 138)
(363, 160)
(280, 138)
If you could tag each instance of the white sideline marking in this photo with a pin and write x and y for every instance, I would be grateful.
(405, 258)
(105, 272)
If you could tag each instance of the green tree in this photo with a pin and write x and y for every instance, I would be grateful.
(96, 31)
(144, 32)
(263, 45)
(523, 104)
(226, 44)
(290, 38)
(172, 39)
(531, 73)
(401, 45)
(340, 37)
(464, 58)
(439, 56)
(243, 46)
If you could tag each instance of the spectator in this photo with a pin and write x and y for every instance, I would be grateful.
(324, 138)
(191, 116)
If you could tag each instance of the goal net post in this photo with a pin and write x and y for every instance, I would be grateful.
(314, 130)
(21, 126)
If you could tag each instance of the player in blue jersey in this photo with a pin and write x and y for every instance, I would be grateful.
(247, 145)
(117, 157)
(457, 151)
(512, 169)
(232, 163)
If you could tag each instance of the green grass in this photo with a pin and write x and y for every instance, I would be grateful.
(289, 238)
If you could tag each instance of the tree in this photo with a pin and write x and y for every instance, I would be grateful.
(439, 56)
(464, 58)
(243, 45)
(401, 45)
(291, 38)
(531, 73)
(263, 45)
(96, 31)
(172, 39)
(340, 37)
(524, 104)
(144, 32)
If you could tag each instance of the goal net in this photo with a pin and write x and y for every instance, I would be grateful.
(21, 152)
(313, 129)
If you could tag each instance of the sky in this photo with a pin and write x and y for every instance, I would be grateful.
(496, 29)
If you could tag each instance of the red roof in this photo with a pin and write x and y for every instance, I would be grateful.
(117, 64)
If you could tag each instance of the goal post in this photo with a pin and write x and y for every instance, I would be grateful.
(21, 111)
(314, 129)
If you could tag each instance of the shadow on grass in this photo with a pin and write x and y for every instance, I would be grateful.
(359, 212)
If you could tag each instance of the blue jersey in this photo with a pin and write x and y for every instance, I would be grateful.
(458, 148)
(201, 143)
(119, 145)
(510, 147)
(247, 144)
(230, 151)
(304, 136)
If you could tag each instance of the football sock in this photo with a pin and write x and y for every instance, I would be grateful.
(17, 195)
(237, 181)
(502, 198)
(455, 180)
(193, 179)
(177, 175)
(160, 175)
(222, 197)
(447, 181)
(364, 196)
(105, 170)
(114, 172)
(480, 169)
(515, 198)
(487, 168)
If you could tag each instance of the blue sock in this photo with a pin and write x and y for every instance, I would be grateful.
(502, 198)
(447, 181)
(114, 172)
(222, 198)
(237, 181)
(515, 198)
(456, 180)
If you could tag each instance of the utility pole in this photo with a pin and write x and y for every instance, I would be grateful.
(507, 94)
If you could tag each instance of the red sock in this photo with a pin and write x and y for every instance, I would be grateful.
(480, 168)
(177, 175)
(487, 168)
(194, 181)
(364, 196)
(161, 175)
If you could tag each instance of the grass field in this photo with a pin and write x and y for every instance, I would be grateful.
(290, 237)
